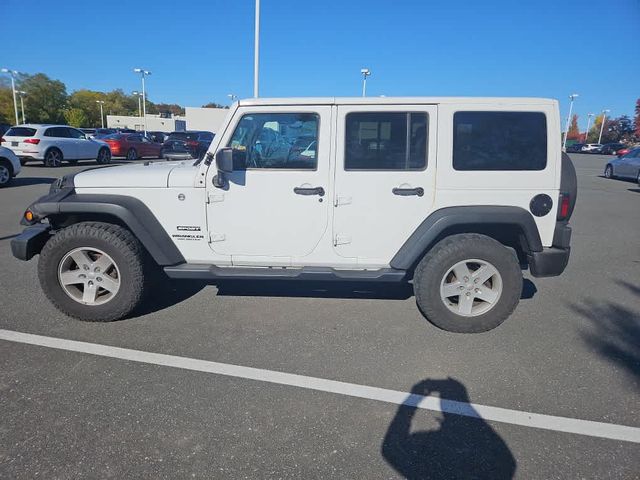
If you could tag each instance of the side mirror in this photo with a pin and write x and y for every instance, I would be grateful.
(224, 160)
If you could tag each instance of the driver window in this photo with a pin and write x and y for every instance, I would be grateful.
(277, 140)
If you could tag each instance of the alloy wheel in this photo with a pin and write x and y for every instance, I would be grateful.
(471, 287)
(5, 175)
(89, 276)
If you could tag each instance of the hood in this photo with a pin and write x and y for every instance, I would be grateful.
(141, 175)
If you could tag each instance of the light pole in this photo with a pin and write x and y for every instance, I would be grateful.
(256, 51)
(604, 118)
(13, 74)
(101, 102)
(143, 73)
(572, 97)
(22, 93)
(232, 97)
(138, 94)
(365, 73)
(586, 135)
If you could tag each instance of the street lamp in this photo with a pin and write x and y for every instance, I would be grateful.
(365, 73)
(572, 97)
(13, 74)
(138, 94)
(232, 97)
(101, 102)
(589, 117)
(143, 73)
(256, 50)
(22, 93)
(604, 118)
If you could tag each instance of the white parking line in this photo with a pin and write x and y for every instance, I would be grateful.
(504, 415)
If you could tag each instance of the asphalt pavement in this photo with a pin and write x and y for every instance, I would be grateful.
(571, 349)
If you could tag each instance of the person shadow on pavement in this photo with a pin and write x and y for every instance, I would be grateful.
(463, 447)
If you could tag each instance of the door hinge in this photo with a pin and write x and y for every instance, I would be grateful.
(341, 240)
(216, 237)
(213, 197)
(342, 200)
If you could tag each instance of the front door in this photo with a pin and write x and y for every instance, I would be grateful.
(384, 180)
(274, 207)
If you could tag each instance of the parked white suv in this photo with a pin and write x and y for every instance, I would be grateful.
(455, 195)
(52, 144)
(9, 166)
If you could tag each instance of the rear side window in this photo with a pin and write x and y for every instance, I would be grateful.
(386, 141)
(499, 141)
(20, 132)
(58, 132)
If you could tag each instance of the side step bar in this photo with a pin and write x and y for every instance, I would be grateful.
(211, 272)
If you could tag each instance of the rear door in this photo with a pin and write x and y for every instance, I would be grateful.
(60, 137)
(384, 178)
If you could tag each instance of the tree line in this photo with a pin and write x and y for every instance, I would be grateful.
(616, 129)
(47, 101)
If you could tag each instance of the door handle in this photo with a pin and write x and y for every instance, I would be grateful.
(309, 191)
(404, 192)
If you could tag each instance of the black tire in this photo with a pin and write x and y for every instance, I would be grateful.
(608, 172)
(132, 154)
(104, 156)
(442, 257)
(117, 242)
(53, 158)
(6, 173)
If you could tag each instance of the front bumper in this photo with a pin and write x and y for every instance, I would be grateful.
(30, 241)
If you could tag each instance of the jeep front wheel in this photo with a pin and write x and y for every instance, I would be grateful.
(468, 283)
(93, 271)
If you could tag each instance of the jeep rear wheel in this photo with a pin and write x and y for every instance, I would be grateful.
(468, 283)
(93, 271)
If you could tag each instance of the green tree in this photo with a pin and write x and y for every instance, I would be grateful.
(214, 105)
(574, 131)
(85, 100)
(7, 114)
(172, 108)
(46, 98)
(76, 117)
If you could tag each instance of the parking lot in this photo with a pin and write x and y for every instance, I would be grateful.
(571, 350)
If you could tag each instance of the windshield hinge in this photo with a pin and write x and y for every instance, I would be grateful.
(208, 159)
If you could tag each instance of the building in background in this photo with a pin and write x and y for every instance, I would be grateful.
(195, 118)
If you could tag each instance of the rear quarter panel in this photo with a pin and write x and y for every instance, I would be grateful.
(510, 188)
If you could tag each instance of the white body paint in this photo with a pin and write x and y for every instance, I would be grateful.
(359, 223)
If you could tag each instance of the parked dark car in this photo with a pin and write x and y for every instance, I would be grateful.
(158, 137)
(193, 144)
(575, 148)
(88, 131)
(611, 148)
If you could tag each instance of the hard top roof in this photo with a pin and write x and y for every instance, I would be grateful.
(395, 101)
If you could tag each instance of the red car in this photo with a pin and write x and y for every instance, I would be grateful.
(623, 151)
(132, 146)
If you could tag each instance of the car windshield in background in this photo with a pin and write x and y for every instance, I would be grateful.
(182, 136)
(21, 132)
(113, 136)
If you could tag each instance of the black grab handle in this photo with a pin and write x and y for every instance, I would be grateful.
(309, 191)
(419, 191)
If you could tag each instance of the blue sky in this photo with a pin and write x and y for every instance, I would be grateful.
(200, 51)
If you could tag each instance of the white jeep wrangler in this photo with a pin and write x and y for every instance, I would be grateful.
(456, 195)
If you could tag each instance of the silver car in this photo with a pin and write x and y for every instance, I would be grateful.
(627, 166)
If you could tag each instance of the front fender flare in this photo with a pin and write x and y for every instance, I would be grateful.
(129, 210)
